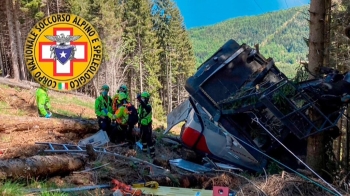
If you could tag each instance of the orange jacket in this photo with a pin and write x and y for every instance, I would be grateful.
(122, 115)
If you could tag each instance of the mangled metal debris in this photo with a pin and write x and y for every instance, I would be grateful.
(189, 166)
(197, 168)
(236, 85)
(98, 139)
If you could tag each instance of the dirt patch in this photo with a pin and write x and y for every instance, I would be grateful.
(22, 102)
(18, 102)
(22, 143)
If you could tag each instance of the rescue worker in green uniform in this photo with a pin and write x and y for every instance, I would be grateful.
(121, 118)
(123, 88)
(103, 106)
(145, 123)
(43, 102)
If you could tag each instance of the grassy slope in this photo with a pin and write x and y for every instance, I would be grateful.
(65, 105)
(62, 104)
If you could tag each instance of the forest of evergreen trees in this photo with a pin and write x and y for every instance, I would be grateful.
(147, 47)
(280, 36)
(145, 43)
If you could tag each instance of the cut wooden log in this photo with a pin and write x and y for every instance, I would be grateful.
(79, 126)
(40, 166)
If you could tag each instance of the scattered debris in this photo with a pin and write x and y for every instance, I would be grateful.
(98, 139)
(189, 166)
(150, 184)
(84, 188)
(176, 191)
(125, 189)
(87, 170)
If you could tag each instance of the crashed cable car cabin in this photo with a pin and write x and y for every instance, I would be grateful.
(240, 103)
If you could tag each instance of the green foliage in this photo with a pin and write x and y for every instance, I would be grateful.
(300, 75)
(176, 54)
(45, 193)
(32, 7)
(11, 189)
(39, 15)
(274, 168)
(142, 49)
(279, 34)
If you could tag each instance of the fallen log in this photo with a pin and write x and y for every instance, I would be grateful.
(83, 126)
(40, 166)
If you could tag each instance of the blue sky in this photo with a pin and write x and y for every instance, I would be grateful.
(198, 13)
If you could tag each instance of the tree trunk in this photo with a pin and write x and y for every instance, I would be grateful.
(48, 7)
(315, 147)
(170, 92)
(141, 84)
(39, 166)
(80, 126)
(14, 52)
(347, 142)
(58, 7)
(327, 33)
(167, 84)
(338, 141)
(178, 92)
(1, 63)
(5, 64)
(19, 43)
(140, 63)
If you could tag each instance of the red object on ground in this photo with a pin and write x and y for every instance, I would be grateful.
(220, 191)
(125, 189)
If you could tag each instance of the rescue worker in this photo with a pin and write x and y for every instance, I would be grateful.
(123, 88)
(121, 117)
(43, 102)
(115, 103)
(103, 106)
(145, 122)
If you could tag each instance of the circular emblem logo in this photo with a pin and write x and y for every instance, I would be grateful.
(63, 52)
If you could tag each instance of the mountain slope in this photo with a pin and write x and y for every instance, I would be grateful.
(279, 34)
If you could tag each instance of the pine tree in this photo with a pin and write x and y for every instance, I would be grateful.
(177, 58)
(141, 51)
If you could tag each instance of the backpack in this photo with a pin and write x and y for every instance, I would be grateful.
(133, 116)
